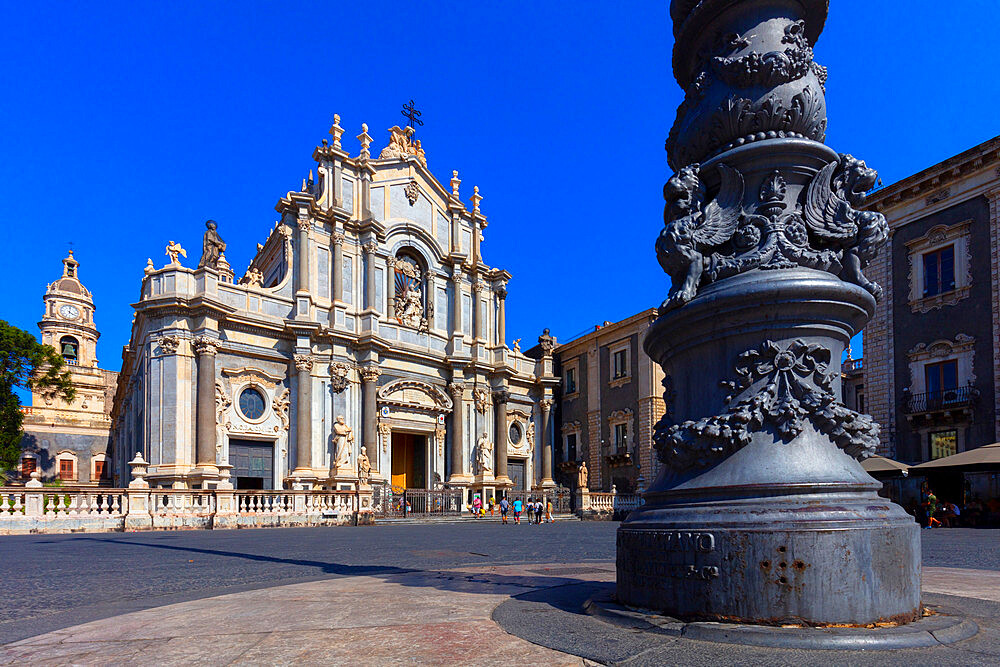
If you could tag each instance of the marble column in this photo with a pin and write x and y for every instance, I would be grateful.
(302, 280)
(369, 412)
(478, 315)
(370, 249)
(546, 405)
(500, 398)
(501, 292)
(390, 285)
(456, 306)
(205, 426)
(338, 267)
(457, 390)
(303, 412)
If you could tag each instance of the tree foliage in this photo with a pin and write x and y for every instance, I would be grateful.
(25, 363)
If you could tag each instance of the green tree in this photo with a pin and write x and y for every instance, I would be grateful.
(25, 363)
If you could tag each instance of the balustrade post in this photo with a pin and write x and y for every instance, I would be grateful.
(33, 499)
(137, 506)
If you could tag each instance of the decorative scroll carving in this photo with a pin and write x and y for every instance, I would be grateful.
(414, 395)
(168, 344)
(370, 373)
(338, 376)
(303, 362)
(788, 387)
(702, 242)
(205, 346)
(482, 400)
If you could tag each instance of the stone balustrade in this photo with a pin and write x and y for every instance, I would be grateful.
(606, 505)
(33, 509)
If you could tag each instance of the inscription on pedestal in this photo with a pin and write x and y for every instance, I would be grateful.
(649, 557)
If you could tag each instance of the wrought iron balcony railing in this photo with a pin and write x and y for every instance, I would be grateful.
(946, 399)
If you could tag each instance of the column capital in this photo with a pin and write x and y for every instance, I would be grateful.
(370, 373)
(478, 286)
(500, 396)
(545, 404)
(338, 238)
(305, 224)
(303, 362)
(456, 389)
(390, 261)
(370, 247)
(205, 346)
(501, 290)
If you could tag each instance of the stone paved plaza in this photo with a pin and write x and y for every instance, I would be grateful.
(443, 593)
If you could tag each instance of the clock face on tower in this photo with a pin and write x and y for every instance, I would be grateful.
(69, 312)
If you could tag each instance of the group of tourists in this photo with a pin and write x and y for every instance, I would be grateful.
(539, 510)
(932, 512)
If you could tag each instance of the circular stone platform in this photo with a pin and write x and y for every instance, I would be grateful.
(932, 630)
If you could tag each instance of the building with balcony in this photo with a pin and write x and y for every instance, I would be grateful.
(367, 331)
(932, 351)
(610, 398)
(68, 440)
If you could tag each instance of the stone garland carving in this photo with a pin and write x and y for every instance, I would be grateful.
(222, 402)
(385, 432)
(769, 69)
(792, 388)
(338, 376)
(482, 400)
(529, 436)
(439, 433)
(281, 405)
(303, 362)
(168, 344)
(412, 192)
(702, 242)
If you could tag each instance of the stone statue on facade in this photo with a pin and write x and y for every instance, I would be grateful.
(364, 466)
(212, 246)
(173, 250)
(253, 278)
(546, 342)
(344, 439)
(582, 476)
(410, 307)
(484, 449)
(517, 345)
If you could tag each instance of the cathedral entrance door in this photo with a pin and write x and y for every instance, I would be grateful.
(253, 463)
(409, 460)
(515, 470)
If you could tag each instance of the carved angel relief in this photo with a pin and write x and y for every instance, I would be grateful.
(702, 242)
(790, 386)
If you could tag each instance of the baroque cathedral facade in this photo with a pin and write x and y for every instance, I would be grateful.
(366, 329)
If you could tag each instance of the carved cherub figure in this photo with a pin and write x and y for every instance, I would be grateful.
(173, 250)
(692, 227)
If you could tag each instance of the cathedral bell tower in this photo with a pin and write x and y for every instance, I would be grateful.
(68, 322)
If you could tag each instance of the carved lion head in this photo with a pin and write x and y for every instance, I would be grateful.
(683, 193)
(854, 178)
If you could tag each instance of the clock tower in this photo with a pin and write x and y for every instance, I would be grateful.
(68, 322)
(69, 440)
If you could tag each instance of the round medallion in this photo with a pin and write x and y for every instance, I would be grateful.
(515, 433)
(69, 312)
(251, 403)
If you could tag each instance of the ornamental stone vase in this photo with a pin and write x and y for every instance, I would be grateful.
(761, 511)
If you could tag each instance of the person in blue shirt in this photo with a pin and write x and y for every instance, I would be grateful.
(517, 511)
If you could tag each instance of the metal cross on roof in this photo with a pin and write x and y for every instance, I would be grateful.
(410, 112)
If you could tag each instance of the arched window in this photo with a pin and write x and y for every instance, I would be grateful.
(69, 348)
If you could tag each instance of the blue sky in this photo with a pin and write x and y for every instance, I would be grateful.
(128, 124)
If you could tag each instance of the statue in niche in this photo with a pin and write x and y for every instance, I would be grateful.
(364, 466)
(485, 450)
(412, 307)
(582, 476)
(212, 246)
(344, 439)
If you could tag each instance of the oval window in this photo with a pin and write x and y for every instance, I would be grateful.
(515, 433)
(252, 403)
